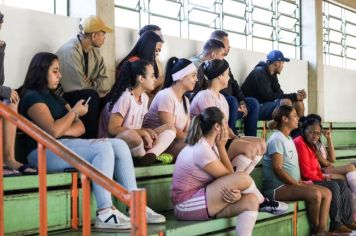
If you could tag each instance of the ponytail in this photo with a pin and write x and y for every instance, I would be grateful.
(126, 78)
(277, 116)
(208, 71)
(195, 132)
(203, 123)
(174, 65)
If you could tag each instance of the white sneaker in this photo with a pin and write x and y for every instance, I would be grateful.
(153, 217)
(274, 207)
(112, 219)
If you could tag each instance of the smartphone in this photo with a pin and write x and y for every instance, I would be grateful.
(87, 101)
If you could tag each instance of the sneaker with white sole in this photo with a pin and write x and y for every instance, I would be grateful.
(112, 219)
(154, 217)
(273, 207)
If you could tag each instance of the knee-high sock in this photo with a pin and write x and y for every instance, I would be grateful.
(138, 151)
(253, 189)
(253, 163)
(351, 180)
(241, 162)
(164, 139)
(245, 223)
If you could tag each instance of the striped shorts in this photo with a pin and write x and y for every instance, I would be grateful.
(195, 208)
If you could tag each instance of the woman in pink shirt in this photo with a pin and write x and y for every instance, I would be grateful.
(204, 183)
(213, 76)
(170, 106)
(123, 115)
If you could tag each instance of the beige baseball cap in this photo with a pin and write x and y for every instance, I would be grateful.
(93, 24)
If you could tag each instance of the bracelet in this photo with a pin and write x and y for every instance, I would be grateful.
(76, 114)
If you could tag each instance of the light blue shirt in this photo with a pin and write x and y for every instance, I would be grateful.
(281, 144)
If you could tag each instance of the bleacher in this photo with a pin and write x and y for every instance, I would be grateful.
(22, 215)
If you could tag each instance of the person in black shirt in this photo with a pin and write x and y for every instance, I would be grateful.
(262, 84)
(241, 107)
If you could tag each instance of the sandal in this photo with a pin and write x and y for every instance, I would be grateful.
(25, 169)
(8, 172)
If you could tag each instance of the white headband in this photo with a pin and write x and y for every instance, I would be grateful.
(183, 72)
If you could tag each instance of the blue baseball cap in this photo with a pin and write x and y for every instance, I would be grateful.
(276, 55)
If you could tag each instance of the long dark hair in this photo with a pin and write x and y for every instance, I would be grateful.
(203, 123)
(145, 49)
(127, 78)
(277, 115)
(208, 71)
(174, 65)
(37, 73)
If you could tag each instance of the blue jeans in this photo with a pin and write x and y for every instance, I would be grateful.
(250, 121)
(111, 156)
(267, 108)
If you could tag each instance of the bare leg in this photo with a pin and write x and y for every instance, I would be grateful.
(9, 135)
(134, 141)
(318, 200)
(239, 146)
(176, 147)
(259, 142)
(342, 170)
(217, 205)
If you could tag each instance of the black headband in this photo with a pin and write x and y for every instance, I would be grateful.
(212, 73)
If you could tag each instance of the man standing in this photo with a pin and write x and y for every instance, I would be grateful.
(83, 70)
(262, 84)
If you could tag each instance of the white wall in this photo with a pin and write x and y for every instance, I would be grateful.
(340, 94)
(27, 32)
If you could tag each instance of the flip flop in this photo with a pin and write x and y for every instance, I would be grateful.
(9, 172)
(25, 169)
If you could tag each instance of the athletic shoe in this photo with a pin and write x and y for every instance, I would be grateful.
(112, 219)
(165, 158)
(273, 207)
(153, 217)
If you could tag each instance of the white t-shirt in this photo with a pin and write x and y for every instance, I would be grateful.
(167, 101)
(207, 98)
(188, 175)
(131, 111)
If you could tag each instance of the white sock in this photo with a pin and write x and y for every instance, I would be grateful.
(241, 162)
(163, 141)
(351, 180)
(245, 223)
(138, 151)
(253, 163)
(353, 197)
(253, 189)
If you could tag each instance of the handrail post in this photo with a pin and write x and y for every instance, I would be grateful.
(138, 212)
(74, 190)
(2, 204)
(295, 219)
(86, 205)
(42, 174)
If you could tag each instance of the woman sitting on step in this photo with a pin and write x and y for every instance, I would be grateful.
(204, 184)
(170, 106)
(341, 202)
(53, 114)
(327, 157)
(123, 114)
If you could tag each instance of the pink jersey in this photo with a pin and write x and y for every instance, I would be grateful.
(189, 176)
(207, 98)
(167, 101)
(131, 111)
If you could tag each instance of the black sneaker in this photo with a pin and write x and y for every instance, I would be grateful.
(273, 207)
